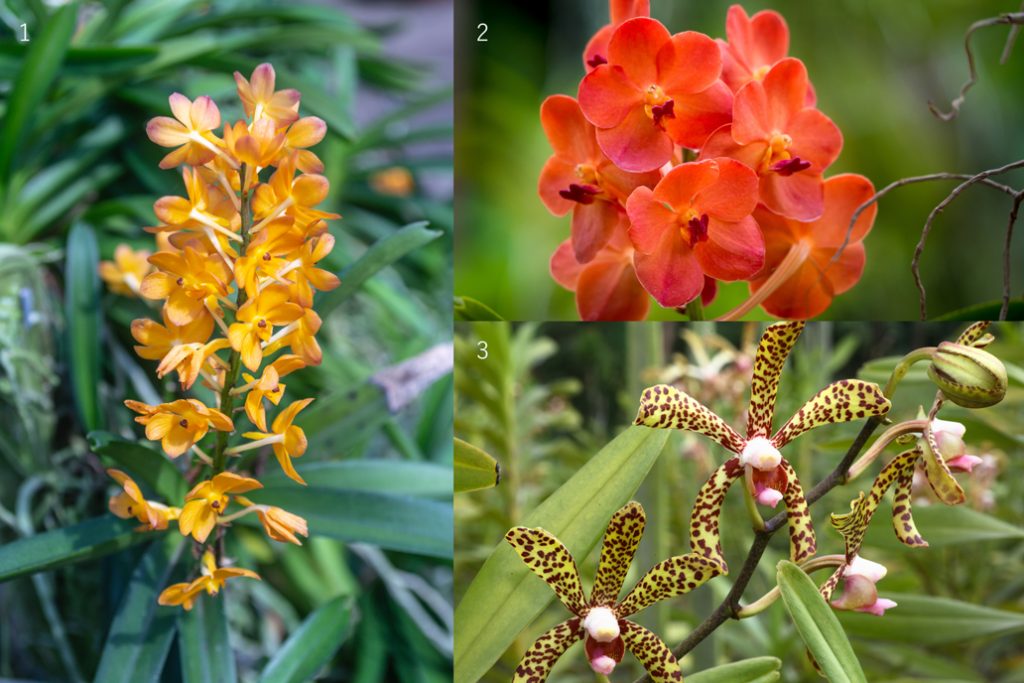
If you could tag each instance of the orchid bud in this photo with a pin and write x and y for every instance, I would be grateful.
(967, 376)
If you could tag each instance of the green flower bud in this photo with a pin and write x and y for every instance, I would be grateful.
(968, 376)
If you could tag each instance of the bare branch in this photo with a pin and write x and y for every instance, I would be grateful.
(1004, 310)
(1013, 18)
(915, 264)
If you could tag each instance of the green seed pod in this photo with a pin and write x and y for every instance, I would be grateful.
(967, 376)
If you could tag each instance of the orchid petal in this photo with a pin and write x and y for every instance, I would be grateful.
(802, 543)
(620, 542)
(650, 651)
(667, 579)
(537, 661)
(975, 335)
(842, 401)
(550, 560)
(775, 346)
(902, 519)
(707, 509)
(663, 407)
(937, 471)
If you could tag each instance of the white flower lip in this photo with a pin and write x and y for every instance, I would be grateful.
(872, 571)
(761, 454)
(601, 624)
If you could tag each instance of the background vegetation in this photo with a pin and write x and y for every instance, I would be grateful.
(875, 65)
(548, 398)
(367, 598)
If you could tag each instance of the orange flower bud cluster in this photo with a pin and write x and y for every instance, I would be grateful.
(235, 271)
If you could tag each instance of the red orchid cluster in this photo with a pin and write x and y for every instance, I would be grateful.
(685, 161)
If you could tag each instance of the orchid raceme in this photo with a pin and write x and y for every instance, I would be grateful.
(602, 620)
(769, 476)
(239, 259)
(649, 104)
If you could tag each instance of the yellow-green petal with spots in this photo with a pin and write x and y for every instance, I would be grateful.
(667, 579)
(650, 651)
(802, 543)
(776, 343)
(842, 401)
(902, 519)
(705, 538)
(536, 663)
(665, 407)
(976, 335)
(550, 560)
(945, 487)
(621, 539)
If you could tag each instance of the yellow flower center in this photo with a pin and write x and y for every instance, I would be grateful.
(588, 174)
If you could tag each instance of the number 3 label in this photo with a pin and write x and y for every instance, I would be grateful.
(482, 350)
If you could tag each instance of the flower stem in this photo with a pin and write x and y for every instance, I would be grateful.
(695, 309)
(903, 367)
(795, 258)
(769, 598)
(881, 443)
(227, 399)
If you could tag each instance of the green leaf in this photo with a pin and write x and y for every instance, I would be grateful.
(506, 596)
(58, 205)
(986, 311)
(338, 422)
(818, 626)
(75, 543)
(471, 309)
(142, 631)
(82, 308)
(142, 463)
(945, 525)
(380, 255)
(928, 620)
(412, 525)
(400, 477)
(755, 670)
(474, 469)
(206, 655)
(44, 55)
(312, 645)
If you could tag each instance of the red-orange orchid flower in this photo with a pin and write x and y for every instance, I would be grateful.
(656, 91)
(696, 221)
(578, 177)
(596, 52)
(606, 287)
(787, 143)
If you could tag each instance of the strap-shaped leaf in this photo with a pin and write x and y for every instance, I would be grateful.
(206, 654)
(537, 661)
(621, 539)
(654, 654)
(667, 579)
(705, 538)
(550, 560)
(802, 543)
(843, 401)
(776, 343)
(665, 407)
(312, 645)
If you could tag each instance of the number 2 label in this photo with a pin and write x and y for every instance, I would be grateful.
(483, 31)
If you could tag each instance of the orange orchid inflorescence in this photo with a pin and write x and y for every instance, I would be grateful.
(235, 271)
(686, 161)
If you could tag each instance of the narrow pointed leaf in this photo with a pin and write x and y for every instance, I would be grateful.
(313, 644)
(474, 469)
(944, 525)
(142, 631)
(818, 626)
(755, 670)
(76, 543)
(82, 307)
(506, 596)
(206, 655)
(399, 477)
(468, 308)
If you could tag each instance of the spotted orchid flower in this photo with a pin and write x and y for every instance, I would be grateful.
(601, 622)
(769, 477)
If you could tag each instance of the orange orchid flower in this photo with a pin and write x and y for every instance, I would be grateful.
(211, 580)
(261, 101)
(255, 320)
(755, 44)
(259, 147)
(130, 503)
(303, 271)
(207, 501)
(126, 272)
(190, 281)
(178, 425)
(787, 143)
(286, 194)
(696, 222)
(189, 131)
(606, 287)
(596, 51)
(304, 133)
(578, 177)
(287, 439)
(656, 91)
(208, 209)
(279, 524)
(801, 273)
(263, 257)
(268, 386)
(183, 348)
(300, 337)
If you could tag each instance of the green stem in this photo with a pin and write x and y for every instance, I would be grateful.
(695, 309)
(227, 399)
(903, 367)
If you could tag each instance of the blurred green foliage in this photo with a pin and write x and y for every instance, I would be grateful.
(875, 65)
(77, 177)
(965, 590)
